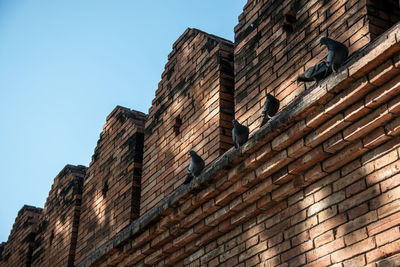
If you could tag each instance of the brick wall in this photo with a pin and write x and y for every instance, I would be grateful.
(267, 57)
(55, 239)
(193, 109)
(18, 249)
(317, 185)
(111, 195)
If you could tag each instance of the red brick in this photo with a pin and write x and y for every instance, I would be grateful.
(375, 138)
(323, 239)
(326, 130)
(383, 93)
(384, 224)
(357, 211)
(394, 105)
(296, 251)
(298, 149)
(355, 188)
(309, 159)
(384, 251)
(359, 198)
(383, 173)
(350, 251)
(393, 127)
(357, 223)
(328, 225)
(387, 236)
(326, 202)
(292, 134)
(341, 158)
(354, 262)
(335, 143)
(325, 249)
(368, 123)
(324, 261)
(348, 96)
(388, 209)
(355, 236)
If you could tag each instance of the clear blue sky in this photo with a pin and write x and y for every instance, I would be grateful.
(65, 65)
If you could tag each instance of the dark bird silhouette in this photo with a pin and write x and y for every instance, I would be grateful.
(270, 108)
(315, 73)
(240, 134)
(337, 53)
(195, 167)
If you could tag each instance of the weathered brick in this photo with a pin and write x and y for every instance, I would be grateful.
(387, 236)
(384, 251)
(326, 130)
(345, 155)
(384, 224)
(350, 251)
(328, 225)
(357, 223)
(368, 123)
(325, 249)
(359, 198)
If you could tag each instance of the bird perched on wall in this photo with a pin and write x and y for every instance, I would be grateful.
(315, 73)
(240, 134)
(195, 167)
(270, 108)
(337, 53)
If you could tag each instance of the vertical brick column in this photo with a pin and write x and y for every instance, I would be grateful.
(193, 109)
(18, 249)
(55, 241)
(275, 41)
(111, 194)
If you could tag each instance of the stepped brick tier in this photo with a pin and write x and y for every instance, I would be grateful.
(111, 194)
(18, 249)
(317, 185)
(275, 41)
(193, 109)
(55, 240)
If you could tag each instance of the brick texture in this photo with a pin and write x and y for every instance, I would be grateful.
(318, 185)
(57, 233)
(111, 194)
(18, 249)
(193, 109)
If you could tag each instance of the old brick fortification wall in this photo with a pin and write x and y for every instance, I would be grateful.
(318, 185)
(18, 249)
(193, 109)
(57, 232)
(269, 58)
(111, 194)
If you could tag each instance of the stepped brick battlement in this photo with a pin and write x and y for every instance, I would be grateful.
(111, 191)
(193, 109)
(317, 185)
(18, 249)
(55, 240)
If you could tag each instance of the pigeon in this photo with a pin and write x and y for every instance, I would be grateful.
(337, 53)
(195, 167)
(270, 108)
(240, 134)
(315, 73)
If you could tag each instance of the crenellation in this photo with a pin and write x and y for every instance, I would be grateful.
(316, 185)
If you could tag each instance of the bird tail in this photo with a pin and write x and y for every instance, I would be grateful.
(264, 120)
(188, 178)
(302, 78)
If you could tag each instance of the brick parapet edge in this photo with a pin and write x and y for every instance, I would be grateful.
(248, 163)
